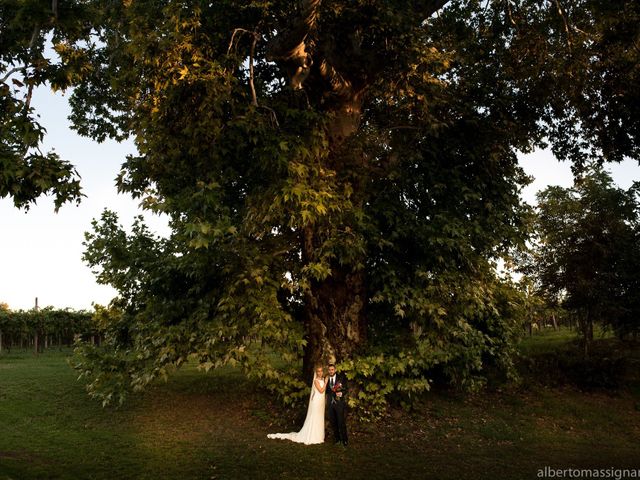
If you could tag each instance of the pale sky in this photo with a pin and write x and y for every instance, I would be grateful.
(40, 251)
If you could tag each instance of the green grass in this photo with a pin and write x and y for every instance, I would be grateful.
(547, 339)
(214, 426)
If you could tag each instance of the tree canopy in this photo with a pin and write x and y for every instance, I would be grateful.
(587, 252)
(27, 172)
(339, 176)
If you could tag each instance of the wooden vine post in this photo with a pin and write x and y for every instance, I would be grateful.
(35, 338)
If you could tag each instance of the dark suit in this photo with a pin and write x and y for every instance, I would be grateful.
(337, 408)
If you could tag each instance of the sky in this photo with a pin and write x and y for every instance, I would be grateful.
(41, 251)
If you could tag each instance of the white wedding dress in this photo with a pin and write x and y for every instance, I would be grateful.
(313, 429)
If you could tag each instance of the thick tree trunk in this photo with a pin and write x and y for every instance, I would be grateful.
(334, 310)
(587, 333)
(334, 315)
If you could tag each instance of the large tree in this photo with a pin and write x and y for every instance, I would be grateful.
(339, 176)
(587, 252)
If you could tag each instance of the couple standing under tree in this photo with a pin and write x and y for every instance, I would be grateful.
(325, 390)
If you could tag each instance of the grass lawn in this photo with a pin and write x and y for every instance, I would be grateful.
(214, 426)
(548, 339)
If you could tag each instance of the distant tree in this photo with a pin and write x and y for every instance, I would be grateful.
(587, 253)
(534, 304)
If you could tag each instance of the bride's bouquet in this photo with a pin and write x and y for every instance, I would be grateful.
(338, 389)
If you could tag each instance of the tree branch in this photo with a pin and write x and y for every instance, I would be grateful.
(233, 36)
(11, 72)
(428, 8)
(254, 98)
(510, 13)
(255, 35)
(566, 24)
(34, 37)
(32, 44)
(289, 44)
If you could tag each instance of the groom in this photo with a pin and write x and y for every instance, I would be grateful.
(336, 391)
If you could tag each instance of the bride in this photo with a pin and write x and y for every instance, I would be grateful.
(313, 429)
